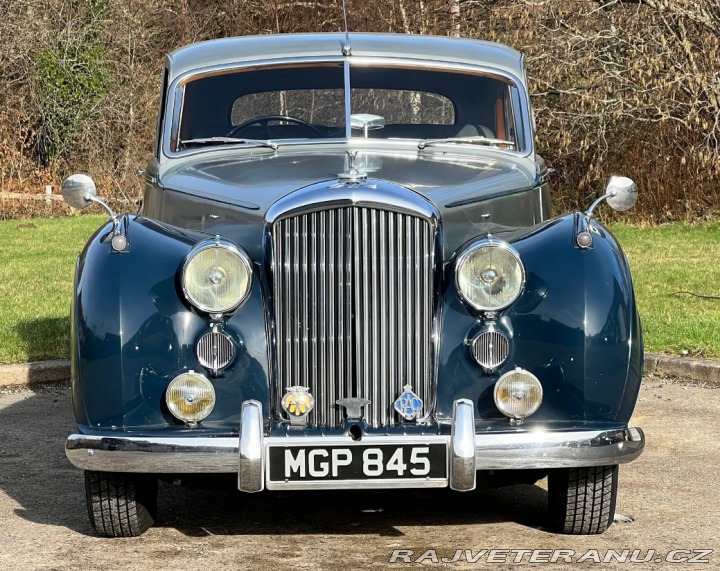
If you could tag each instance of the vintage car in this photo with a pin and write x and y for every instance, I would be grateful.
(345, 275)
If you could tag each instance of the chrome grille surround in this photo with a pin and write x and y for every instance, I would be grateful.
(215, 350)
(490, 349)
(353, 287)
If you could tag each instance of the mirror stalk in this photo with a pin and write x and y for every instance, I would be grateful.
(589, 212)
(110, 211)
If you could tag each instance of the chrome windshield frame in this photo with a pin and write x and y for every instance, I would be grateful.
(171, 128)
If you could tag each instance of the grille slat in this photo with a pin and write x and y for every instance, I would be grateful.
(354, 297)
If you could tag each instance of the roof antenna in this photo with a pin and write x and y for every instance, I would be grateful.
(346, 49)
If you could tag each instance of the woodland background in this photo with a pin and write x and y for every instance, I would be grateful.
(619, 86)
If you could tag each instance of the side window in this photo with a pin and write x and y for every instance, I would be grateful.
(161, 113)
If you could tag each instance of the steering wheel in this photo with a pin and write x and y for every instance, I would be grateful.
(264, 121)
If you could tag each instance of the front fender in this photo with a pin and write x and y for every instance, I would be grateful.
(133, 332)
(575, 327)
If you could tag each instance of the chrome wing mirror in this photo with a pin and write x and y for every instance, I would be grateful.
(621, 195)
(79, 191)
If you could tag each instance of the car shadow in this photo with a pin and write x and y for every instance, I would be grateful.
(43, 337)
(198, 513)
(37, 476)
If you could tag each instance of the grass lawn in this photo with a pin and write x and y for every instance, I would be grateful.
(37, 263)
(37, 260)
(666, 260)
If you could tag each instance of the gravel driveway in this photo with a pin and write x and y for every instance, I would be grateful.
(670, 493)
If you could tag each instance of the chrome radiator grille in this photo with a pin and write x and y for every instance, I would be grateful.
(353, 291)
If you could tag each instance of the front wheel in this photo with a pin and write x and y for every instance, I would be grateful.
(121, 505)
(582, 500)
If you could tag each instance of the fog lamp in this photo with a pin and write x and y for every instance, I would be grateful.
(190, 397)
(518, 394)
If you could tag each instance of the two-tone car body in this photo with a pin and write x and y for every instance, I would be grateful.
(345, 275)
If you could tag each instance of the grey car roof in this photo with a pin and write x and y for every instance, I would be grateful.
(228, 51)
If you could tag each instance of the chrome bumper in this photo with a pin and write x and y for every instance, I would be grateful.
(246, 455)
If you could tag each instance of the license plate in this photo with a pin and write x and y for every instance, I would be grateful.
(393, 463)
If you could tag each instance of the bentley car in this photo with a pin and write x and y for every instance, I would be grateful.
(345, 274)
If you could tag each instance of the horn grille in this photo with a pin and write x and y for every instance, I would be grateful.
(490, 349)
(215, 350)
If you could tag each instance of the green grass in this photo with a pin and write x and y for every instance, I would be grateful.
(37, 260)
(666, 260)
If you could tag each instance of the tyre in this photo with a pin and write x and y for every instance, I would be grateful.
(121, 505)
(582, 500)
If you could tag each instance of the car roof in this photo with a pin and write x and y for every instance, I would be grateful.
(228, 51)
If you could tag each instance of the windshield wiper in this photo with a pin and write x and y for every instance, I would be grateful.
(477, 140)
(229, 141)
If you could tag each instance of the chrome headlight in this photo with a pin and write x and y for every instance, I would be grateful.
(216, 276)
(489, 275)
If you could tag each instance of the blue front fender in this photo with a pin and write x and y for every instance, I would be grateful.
(133, 332)
(575, 327)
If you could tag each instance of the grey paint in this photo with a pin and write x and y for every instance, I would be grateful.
(229, 192)
(255, 48)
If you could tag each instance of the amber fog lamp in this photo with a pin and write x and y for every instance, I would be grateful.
(190, 397)
(489, 275)
(216, 277)
(518, 394)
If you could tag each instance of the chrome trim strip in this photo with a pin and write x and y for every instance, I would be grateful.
(251, 477)
(348, 100)
(510, 450)
(462, 447)
(310, 199)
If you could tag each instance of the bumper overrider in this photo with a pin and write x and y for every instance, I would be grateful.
(249, 454)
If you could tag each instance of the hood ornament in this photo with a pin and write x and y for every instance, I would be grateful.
(352, 174)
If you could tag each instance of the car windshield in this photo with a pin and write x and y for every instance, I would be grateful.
(298, 102)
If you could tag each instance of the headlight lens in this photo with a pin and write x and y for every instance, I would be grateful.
(190, 397)
(490, 275)
(216, 277)
(518, 393)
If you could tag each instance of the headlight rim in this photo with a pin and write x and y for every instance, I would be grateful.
(206, 245)
(489, 241)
